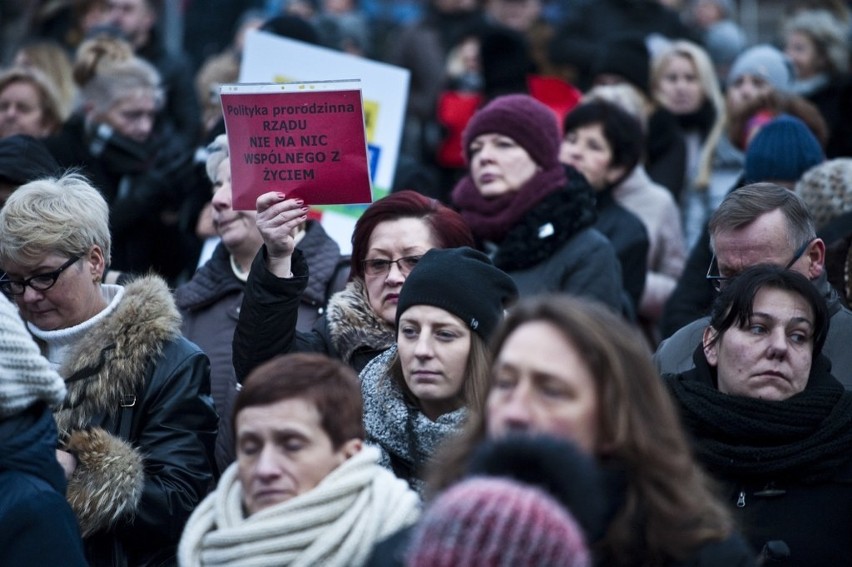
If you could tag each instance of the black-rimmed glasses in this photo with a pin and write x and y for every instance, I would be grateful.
(719, 280)
(380, 266)
(40, 282)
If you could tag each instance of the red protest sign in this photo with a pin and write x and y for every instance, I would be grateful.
(305, 140)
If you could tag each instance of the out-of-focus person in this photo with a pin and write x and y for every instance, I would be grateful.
(36, 522)
(29, 104)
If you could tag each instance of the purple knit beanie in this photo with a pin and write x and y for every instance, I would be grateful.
(496, 521)
(524, 119)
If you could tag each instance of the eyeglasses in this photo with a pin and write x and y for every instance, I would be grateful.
(719, 281)
(41, 282)
(380, 267)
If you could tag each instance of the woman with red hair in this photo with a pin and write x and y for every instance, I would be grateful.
(360, 321)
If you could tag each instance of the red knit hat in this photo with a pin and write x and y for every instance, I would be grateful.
(489, 521)
(524, 119)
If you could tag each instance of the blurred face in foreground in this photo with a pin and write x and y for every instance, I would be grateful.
(542, 384)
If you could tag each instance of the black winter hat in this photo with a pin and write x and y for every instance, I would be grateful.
(24, 159)
(628, 57)
(555, 465)
(462, 281)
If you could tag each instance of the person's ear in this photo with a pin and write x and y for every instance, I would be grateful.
(711, 346)
(615, 173)
(351, 447)
(96, 263)
(815, 256)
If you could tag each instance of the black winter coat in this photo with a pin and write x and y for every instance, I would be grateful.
(141, 421)
(349, 329)
(152, 190)
(780, 485)
(210, 304)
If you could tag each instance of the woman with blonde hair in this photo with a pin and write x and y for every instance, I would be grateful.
(51, 59)
(137, 426)
(145, 172)
(684, 81)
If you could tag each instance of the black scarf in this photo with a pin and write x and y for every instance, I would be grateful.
(548, 226)
(803, 438)
(701, 120)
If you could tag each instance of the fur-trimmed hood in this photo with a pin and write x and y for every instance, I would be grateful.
(111, 360)
(109, 365)
(353, 324)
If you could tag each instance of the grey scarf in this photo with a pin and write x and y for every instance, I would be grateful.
(406, 437)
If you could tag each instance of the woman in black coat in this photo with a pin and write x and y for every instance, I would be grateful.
(770, 422)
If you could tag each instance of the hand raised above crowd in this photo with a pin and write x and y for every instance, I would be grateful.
(277, 219)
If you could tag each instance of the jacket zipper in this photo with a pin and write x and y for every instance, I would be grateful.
(741, 499)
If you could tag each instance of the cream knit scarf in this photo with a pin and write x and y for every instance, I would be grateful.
(337, 523)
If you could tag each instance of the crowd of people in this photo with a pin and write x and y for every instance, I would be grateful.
(601, 318)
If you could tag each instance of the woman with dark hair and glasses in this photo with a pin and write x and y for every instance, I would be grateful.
(360, 321)
(770, 421)
(137, 426)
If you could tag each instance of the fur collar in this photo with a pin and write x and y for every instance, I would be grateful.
(110, 361)
(353, 325)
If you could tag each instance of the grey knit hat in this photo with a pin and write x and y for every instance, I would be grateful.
(26, 377)
(766, 62)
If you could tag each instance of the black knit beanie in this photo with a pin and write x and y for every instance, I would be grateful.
(24, 159)
(462, 281)
(626, 56)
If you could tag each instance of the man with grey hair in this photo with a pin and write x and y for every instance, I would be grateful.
(765, 223)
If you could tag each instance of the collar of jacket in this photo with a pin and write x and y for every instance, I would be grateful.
(354, 325)
(214, 280)
(118, 349)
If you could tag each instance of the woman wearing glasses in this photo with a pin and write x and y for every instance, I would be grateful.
(360, 321)
(768, 419)
(137, 427)
(418, 391)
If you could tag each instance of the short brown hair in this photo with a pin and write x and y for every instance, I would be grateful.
(327, 383)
